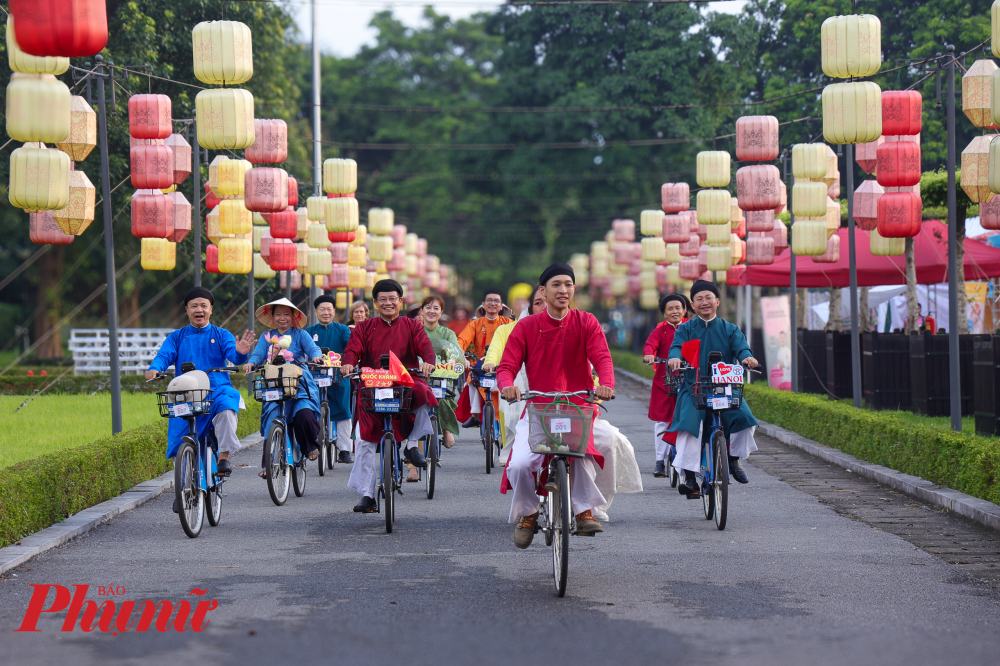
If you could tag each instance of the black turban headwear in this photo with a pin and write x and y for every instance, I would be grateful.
(680, 298)
(704, 285)
(386, 285)
(198, 292)
(554, 270)
(325, 298)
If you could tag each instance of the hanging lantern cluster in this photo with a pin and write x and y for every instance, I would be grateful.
(223, 55)
(851, 47)
(759, 188)
(899, 207)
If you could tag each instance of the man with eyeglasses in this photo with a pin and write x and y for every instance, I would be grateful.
(406, 338)
(478, 334)
(716, 335)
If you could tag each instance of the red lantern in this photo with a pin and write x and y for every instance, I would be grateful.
(898, 164)
(690, 248)
(284, 224)
(44, 230)
(212, 259)
(902, 112)
(676, 229)
(688, 269)
(623, 253)
(757, 187)
(152, 215)
(266, 241)
(832, 254)
(338, 253)
(741, 228)
(736, 275)
(210, 199)
(182, 157)
(182, 217)
(270, 144)
(283, 257)
(702, 233)
(675, 197)
(67, 28)
(398, 262)
(760, 249)
(866, 204)
(149, 117)
(757, 138)
(760, 220)
(866, 155)
(152, 167)
(344, 237)
(398, 235)
(266, 190)
(293, 192)
(339, 278)
(989, 214)
(899, 215)
(624, 230)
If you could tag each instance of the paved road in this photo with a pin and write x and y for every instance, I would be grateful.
(790, 581)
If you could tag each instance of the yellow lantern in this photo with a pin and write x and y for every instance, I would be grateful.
(380, 249)
(718, 234)
(223, 52)
(235, 255)
(713, 207)
(410, 243)
(713, 168)
(832, 174)
(381, 221)
(213, 174)
(720, 258)
(809, 237)
(654, 249)
(261, 270)
(341, 214)
(317, 238)
(212, 226)
(79, 212)
(619, 285)
(886, 247)
(38, 108)
(411, 265)
(357, 278)
(995, 28)
(258, 220)
(341, 300)
(39, 179)
(315, 209)
(832, 218)
(340, 176)
(357, 255)
(600, 268)
(736, 248)
(360, 235)
(673, 252)
(599, 250)
(852, 112)
(225, 119)
(851, 46)
(158, 254)
(23, 63)
(976, 169)
(649, 299)
(232, 177)
(319, 262)
(302, 222)
(234, 218)
(993, 181)
(977, 85)
(809, 199)
(82, 130)
(735, 212)
(674, 275)
(651, 222)
(258, 234)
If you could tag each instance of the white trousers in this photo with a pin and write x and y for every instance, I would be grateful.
(524, 464)
(475, 402)
(662, 448)
(344, 442)
(225, 431)
(364, 473)
(741, 444)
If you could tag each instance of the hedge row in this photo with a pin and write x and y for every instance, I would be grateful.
(21, 384)
(40, 492)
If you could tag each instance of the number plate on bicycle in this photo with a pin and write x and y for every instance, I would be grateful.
(488, 382)
(719, 402)
(560, 425)
(180, 409)
(272, 395)
(437, 391)
(386, 405)
(324, 382)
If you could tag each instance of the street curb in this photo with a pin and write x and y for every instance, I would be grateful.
(979, 510)
(86, 520)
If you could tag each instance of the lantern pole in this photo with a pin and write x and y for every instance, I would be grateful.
(250, 307)
(793, 279)
(853, 268)
(317, 145)
(288, 285)
(196, 201)
(954, 369)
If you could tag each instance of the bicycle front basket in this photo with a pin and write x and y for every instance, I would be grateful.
(561, 428)
(673, 382)
(285, 377)
(717, 397)
(183, 403)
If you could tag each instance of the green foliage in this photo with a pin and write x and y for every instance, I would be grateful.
(22, 384)
(631, 362)
(40, 492)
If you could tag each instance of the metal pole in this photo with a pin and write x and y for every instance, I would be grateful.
(196, 201)
(250, 303)
(748, 305)
(954, 370)
(288, 285)
(855, 338)
(793, 283)
(317, 145)
(109, 256)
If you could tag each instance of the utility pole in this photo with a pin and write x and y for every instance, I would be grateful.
(954, 369)
(853, 270)
(317, 145)
(793, 281)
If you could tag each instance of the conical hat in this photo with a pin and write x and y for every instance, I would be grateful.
(264, 314)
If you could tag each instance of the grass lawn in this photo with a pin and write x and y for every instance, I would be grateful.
(54, 422)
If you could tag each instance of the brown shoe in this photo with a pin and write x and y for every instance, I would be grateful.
(412, 476)
(525, 530)
(586, 524)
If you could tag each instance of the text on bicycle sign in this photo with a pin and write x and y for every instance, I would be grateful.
(725, 373)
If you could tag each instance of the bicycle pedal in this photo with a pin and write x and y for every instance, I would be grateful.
(223, 475)
(582, 534)
(551, 487)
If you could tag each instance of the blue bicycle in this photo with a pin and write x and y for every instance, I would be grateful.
(325, 377)
(196, 475)
(672, 381)
(489, 426)
(282, 458)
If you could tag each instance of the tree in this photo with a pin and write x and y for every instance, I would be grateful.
(934, 192)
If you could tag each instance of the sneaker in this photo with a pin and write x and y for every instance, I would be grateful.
(689, 486)
(473, 422)
(366, 505)
(660, 470)
(601, 516)
(416, 458)
(345, 457)
(223, 468)
(736, 470)
(587, 525)
(525, 530)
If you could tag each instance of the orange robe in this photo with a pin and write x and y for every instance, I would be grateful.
(478, 334)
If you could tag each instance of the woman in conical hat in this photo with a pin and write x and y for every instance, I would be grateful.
(287, 339)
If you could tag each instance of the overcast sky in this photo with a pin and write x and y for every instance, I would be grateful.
(344, 23)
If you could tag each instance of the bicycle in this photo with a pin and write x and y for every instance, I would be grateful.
(672, 382)
(325, 377)
(282, 455)
(561, 431)
(489, 426)
(193, 483)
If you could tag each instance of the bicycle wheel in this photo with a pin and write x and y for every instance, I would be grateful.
(672, 473)
(497, 443)
(187, 490)
(388, 447)
(298, 471)
(324, 438)
(488, 435)
(721, 485)
(431, 449)
(277, 468)
(707, 496)
(214, 495)
(560, 510)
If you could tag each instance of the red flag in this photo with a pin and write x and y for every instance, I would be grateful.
(396, 368)
(691, 351)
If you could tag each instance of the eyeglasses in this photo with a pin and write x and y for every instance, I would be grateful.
(707, 299)
(493, 301)
(387, 301)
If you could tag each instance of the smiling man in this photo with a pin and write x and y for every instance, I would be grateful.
(478, 335)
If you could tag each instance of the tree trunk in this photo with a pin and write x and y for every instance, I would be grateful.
(912, 307)
(129, 304)
(963, 319)
(800, 311)
(50, 271)
(836, 303)
(864, 311)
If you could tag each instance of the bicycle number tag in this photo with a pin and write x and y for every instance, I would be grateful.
(182, 409)
(324, 382)
(719, 402)
(272, 395)
(557, 426)
(725, 373)
(437, 391)
(487, 382)
(383, 394)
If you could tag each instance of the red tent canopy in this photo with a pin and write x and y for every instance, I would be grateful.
(930, 253)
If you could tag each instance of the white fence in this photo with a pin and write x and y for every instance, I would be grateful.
(137, 348)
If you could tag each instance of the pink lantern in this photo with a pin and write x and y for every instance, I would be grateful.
(266, 241)
(866, 204)
(296, 279)
(152, 167)
(782, 199)
(779, 234)
(760, 249)
(182, 157)
(898, 164)
(623, 253)
(421, 247)
(398, 234)
(989, 214)
(636, 251)
(688, 268)
(760, 220)
(634, 285)
(624, 231)
(832, 254)
(270, 144)
(293, 192)
(661, 277)
(736, 275)
(741, 228)
(152, 214)
(757, 187)
(398, 262)
(866, 155)
(421, 267)
(211, 200)
(149, 117)
(675, 197)
(339, 278)
(902, 112)
(284, 224)
(283, 256)
(44, 230)
(338, 252)
(266, 190)
(899, 215)
(182, 217)
(676, 229)
(702, 233)
(703, 258)
(757, 138)
(635, 268)
(691, 247)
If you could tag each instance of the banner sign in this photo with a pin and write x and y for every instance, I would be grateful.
(776, 315)
(725, 373)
